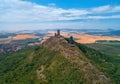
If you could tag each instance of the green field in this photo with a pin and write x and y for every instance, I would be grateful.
(25, 42)
(113, 43)
(108, 47)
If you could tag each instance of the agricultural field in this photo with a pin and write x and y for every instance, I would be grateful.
(108, 47)
(113, 43)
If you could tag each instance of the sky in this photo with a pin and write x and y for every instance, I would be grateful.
(48, 14)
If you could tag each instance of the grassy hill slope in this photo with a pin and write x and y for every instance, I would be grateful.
(111, 49)
(56, 62)
(109, 64)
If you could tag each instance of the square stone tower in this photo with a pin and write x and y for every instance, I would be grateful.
(58, 32)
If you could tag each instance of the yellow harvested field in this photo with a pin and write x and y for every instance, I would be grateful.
(85, 38)
(24, 36)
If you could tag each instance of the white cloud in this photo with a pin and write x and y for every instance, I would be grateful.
(106, 9)
(18, 11)
(52, 4)
(104, 17)
(116, 9)
(102, 8)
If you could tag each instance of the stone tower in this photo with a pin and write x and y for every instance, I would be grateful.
(58, 32)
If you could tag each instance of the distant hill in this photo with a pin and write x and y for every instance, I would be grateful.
(6, 35)
(58, 62)
(111, 32)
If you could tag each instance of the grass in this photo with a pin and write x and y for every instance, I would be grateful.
(109, 64)
(107, 47)
(114, 43)
(21, 67)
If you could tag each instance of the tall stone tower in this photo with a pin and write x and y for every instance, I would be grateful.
(58, 32)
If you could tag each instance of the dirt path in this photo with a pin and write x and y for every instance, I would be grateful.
(40, 73)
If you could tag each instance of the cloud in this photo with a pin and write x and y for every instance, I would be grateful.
(106, 9)
(104, 17)
(52, 4)
(116, 9)
(22, 12)
(102, 8)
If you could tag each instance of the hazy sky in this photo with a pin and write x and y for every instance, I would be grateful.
(44, 14)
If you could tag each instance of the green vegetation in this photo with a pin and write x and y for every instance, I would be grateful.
(42, 65)
(114, 42)
(21, 68)
(108, 47)
(108, 64)
(6, 35)
(88, 73)
(25, 42)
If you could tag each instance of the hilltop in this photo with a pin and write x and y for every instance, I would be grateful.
(55, 62)
(77, 57)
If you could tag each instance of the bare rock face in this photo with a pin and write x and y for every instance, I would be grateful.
(77, 57)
